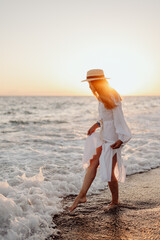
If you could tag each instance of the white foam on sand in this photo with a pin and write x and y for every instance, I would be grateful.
(26, 210)
(27, 207)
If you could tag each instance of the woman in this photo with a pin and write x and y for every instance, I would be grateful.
(104, 148)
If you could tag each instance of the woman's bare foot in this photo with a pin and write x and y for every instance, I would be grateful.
(77, 201)
(110, 206)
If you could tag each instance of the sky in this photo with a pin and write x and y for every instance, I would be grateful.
(47, 46)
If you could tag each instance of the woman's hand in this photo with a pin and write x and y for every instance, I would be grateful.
(117, 144)
(92, 129)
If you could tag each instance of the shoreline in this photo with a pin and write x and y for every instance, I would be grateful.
(137, 217)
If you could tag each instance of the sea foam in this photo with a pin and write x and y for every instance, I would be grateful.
(27, 209)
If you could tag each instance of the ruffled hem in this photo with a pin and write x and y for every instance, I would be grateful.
(92, 143)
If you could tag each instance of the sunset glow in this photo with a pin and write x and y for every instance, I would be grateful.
(48, 46)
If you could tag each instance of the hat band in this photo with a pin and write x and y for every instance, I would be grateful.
(99, 76)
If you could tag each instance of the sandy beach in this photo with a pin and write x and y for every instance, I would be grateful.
(137, 217)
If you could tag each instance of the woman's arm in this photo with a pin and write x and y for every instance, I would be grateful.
(96, 125)
(93, 128)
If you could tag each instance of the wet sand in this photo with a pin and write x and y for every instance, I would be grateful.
(137, 217)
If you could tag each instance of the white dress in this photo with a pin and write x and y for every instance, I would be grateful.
(113, 127)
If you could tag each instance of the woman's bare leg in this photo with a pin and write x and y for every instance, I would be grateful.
(113, 185)
(88, 179)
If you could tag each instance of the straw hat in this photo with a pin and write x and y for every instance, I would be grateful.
(94, 74)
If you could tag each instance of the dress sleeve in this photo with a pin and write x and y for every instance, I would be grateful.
(122, 129)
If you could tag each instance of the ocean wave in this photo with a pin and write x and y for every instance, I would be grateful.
(19, 122)
(27, 112)
(10, 113)
(54, 139)
(26, 212)
(60, 121)
(44, 121)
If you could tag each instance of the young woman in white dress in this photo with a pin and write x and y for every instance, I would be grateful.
(104, 148)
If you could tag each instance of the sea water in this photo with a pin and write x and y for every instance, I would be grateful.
(41, 146)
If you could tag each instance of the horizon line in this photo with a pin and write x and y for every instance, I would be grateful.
(123, 95)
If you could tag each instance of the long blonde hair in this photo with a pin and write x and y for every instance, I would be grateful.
(103, 92)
